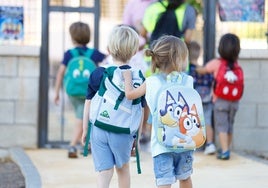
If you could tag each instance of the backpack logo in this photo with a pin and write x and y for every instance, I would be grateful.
(105, 114)
(229, 82)
(179, 121)
(77, 72)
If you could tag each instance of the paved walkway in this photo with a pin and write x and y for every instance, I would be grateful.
(57, 171)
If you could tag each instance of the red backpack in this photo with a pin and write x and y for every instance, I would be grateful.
(229, 83)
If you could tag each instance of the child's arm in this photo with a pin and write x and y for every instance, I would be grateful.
(85, 121)
(132, 93)
(201, 70)
(58, 83)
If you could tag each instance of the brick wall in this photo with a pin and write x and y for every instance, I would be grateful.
(19, 80)
(251, 123)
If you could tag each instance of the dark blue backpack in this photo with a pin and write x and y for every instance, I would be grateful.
(167, 23)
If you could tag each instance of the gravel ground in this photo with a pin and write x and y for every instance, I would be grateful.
(10, 175)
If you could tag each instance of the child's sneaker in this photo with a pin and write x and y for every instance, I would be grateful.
(72, 152)
(224, 156)
(210, 149)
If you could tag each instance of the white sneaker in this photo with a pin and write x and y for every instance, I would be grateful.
(210, 149)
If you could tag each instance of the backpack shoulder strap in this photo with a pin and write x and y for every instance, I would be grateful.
(109, 73)
(78, 52)
(180, 12)
(89, 52)
(221, 68)
(74, 52)
(161, 2)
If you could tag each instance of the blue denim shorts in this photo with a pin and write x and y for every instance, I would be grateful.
(109, 149)
(170, 167)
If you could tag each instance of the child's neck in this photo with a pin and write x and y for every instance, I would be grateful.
(194, 62)
(119, 63)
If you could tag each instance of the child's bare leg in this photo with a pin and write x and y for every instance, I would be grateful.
(77, 133)
(123, 176)
(164, 186)
(210, 134)
(104, 178)
(223, 137)
(186, 183)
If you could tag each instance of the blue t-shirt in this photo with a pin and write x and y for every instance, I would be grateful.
(96, 56)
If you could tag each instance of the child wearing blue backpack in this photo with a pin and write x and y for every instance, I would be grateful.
(177, 114)
(114, 119)
(74, 71)
(203, 84)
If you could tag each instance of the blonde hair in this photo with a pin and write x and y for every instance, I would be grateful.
(123, 43)
(169, 53)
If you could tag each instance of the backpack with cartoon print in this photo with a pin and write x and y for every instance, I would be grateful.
(178, 119)
(229, 83)
(77, 72)
(110, 109)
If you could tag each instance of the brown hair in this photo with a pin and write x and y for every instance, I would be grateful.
(229, 48)
(80, 33)
(194, 51)
(169, 53)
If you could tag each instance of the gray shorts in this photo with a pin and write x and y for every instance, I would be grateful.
(224, 114)
(208, 109)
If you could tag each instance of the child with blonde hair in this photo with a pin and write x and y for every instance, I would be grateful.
(110, 149)
(169, 57)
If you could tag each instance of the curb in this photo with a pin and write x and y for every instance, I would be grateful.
(29, 171)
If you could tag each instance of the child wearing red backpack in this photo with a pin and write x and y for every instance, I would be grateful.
(228, 90)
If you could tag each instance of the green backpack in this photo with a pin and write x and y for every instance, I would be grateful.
(77, 72)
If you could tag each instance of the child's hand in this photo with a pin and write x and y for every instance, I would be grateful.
(57, 99)
(83, 138)
(126, 74)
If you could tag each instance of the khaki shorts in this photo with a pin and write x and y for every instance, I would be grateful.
(78, 105)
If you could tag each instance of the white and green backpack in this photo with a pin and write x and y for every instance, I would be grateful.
(77, 72)
(110, 109)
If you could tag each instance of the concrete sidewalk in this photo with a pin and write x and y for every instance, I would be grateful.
(57, 171)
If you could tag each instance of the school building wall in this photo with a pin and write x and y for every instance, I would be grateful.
(19, 83)
(251, 123)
